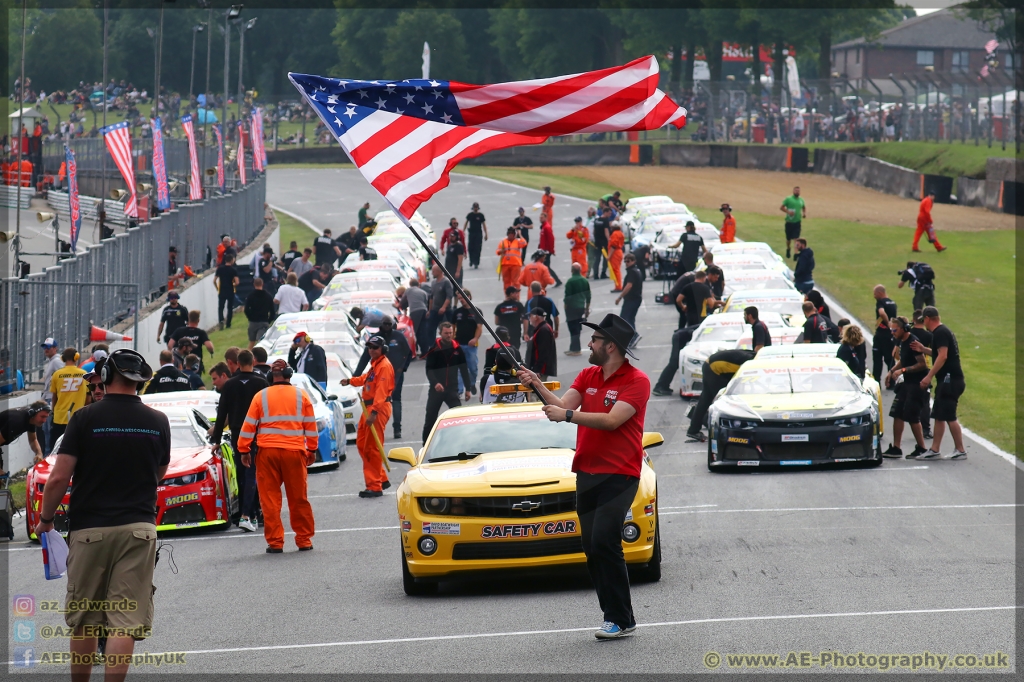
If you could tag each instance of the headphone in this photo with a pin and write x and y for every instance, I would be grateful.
(135, 362)
(905, 325)
(286, 373)
(307, 338)
(34, 409)
(77, 356)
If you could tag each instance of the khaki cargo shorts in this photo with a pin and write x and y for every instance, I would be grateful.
(110, 578)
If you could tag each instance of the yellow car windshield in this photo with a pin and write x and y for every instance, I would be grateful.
(478, 434)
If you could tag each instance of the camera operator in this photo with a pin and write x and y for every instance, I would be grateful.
(922, 281)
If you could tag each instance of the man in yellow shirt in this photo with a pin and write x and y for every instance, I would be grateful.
(69, 388)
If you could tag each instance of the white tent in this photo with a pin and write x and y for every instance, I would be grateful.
(997, 102)
(30, 114)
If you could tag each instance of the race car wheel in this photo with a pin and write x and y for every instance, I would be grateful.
(231, 505)
(409, 584)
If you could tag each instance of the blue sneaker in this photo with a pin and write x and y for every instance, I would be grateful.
(610, 630)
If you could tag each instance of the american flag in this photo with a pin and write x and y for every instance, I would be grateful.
(119, 143)
(163, 196)
(73, 203)
(241, 152)
(259, 154)
(406, 136)
(195, 180)
(220, 157)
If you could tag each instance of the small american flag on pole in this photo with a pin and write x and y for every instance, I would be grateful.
(241, 152)
(220, 157)
(119, 143)
(195, 180)
(406, 136)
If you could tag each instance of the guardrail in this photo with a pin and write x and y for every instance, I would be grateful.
(30, 312)
(89, 206)
(9, 196)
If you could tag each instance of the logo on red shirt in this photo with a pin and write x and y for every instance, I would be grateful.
(610, 398)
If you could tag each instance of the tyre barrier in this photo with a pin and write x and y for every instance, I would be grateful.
(558, 155)
(769, 158)
(691, 155)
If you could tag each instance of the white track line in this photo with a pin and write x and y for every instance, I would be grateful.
(527, 633)
(829, 509)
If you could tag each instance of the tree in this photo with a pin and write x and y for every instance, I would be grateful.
(404, 40)
(1005, 20)
(65, 47)
(360, 37)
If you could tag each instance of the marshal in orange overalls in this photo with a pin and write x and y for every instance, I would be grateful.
(728, 235)
(548, 201)
(616, 243)
(578, 239)
(377, 385)
(511, 252)
(924, 225)
(282, 416)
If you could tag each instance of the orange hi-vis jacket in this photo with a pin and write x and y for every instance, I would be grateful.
(283, 417)
(536, 272)
(378, 383)
(513, 251)
(579, 238)
(924, 212)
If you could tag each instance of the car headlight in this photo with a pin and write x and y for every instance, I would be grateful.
(348, 403)
(427, 545)
(434, 505)
(187, 479)
(694, 361)
(727, 423)
(321, 424)
(857, 420)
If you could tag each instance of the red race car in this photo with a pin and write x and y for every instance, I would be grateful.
(200, 487)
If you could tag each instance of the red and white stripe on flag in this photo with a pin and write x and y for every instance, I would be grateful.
(241, 152)
(119, 143)
(257, 140)
(195, 180)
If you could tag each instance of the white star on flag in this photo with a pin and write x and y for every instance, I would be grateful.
(427, 109)
(337, 121)
(330, 109)
(332, 99)
(362, 94)
(434, 84)
(400, 111)
(436, 93)
(391, 87)
(350, 112)
(380, 103)
(408, 99)
(446, 118)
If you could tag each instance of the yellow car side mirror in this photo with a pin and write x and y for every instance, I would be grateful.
(406, 455)
(652, 439)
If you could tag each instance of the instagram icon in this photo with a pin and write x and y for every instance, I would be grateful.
(24, 605)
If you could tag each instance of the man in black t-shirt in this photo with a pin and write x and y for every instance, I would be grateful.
(925, 338)
(454, 255)
(600, 234)
(198, 337)
(475, 227)
(17, 421)
(698, 299)
(817, 327)
(906, 405)
(168, 379)
(692, 245)
(226, 279)
(950, 384)
(117, 450)
(632, 291)
(291, 254)
(315, 281)
(325, 250)
(523, 222)
(882, 344)
(468, 328)
(675, 295)
(173, 317)
(511, 314)
(259, 310)
(759, 334)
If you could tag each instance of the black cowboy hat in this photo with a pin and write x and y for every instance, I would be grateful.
(619, 331)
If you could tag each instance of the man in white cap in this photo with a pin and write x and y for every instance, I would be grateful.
(53, 363)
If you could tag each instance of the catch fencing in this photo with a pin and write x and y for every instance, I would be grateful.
(59, 303)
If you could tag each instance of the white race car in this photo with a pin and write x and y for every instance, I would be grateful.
(348, 396)
(715, 333)
(344, 284)
(317, 324)
(347, 348)
(384, 300)
(397, 268)
(330, 421)
(787, 302)
(204, 401)
(755, 280)
(730, 262)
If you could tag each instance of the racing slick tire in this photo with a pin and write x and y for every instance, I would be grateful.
(232, 505)
(409, 584)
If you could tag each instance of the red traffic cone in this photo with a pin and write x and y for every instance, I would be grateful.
(99, 334)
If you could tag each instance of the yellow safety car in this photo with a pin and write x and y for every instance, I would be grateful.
(493, 489)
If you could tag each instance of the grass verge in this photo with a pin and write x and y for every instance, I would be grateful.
(975, 286)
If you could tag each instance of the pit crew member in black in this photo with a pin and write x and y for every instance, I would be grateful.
(445, 362)
(325, 249)
(693, 247)
(698, 301)
(716, 373)
(236, 396)
(173, 317)
(882, 344)
(946, 370)
(399, 355)
(168, 378)
(17, 421)
(906, 407)
(817, 327)
(925, 337)
(760, 336)
(117, 450)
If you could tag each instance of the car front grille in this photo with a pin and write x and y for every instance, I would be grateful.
(528, 549)
(502, 507)
(776, 452)
(740, 452)
(852, 450)
(186, 513)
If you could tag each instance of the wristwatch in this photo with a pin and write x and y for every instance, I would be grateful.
(42, 520)
(568, 416)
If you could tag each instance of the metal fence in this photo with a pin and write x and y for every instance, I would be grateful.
(36, 307)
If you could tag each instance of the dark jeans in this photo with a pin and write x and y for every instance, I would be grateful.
(629, 308)
(713, 383)
(923, 297)
(434, 318)
(804, 286)
(419, 324)
(680, 338)
(881, 351)
(547, 262)
(476, 241)
(434, 401)
(574, 320)
(56, 431)
(596, 261)
(248, 499)
(602, 501)
(396, 402)
(526, 237)
(222, 303)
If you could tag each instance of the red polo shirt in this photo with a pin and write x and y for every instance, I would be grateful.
(619, 451)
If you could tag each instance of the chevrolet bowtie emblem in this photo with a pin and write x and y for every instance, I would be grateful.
(525, 505)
